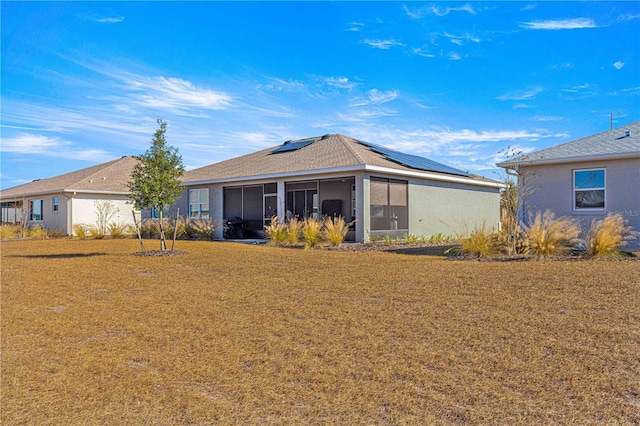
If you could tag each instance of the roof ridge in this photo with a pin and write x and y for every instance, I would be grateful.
(346, 140)
(106, 166)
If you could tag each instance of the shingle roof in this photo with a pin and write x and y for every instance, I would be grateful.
(621, 141)
(325, 153)
(112, 176)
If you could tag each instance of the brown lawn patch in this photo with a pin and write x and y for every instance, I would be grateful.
(232, 333)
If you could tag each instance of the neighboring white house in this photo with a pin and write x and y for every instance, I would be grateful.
(384, 192)
(62, 201)
(587, 178)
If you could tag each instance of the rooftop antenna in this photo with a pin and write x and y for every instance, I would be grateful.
(611, 120)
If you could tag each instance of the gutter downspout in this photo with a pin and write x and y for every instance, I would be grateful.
(69, 213)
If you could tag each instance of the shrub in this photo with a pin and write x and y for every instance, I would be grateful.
(335, 230)
(37, 232)
(411, 238)
(183, 228)
(293, 229)
(80, 231)
(481, 242)
(607, 236)
(203, 228)
(311, 233)
(548, 236)
(276, 232)
(95, 232)
(9, 231)
(53, 232)
(120, 230)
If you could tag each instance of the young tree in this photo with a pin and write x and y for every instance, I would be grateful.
(155, 180)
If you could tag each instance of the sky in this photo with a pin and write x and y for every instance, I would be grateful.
(457, 82)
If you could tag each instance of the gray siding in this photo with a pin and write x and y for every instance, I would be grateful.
(553, 190)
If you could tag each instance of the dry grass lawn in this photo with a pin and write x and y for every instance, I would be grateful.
(240, 334)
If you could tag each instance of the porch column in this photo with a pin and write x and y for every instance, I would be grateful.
(282, 196)
(362, 207)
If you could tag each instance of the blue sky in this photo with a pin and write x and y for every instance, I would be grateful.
(457, 82)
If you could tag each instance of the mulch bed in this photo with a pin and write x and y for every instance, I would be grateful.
(160, 253)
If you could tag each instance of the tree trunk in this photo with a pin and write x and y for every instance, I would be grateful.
(135, 221)
(163, 240)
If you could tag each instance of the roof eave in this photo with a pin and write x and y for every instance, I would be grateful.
(576, 159)
(355, 168)
(63, 191)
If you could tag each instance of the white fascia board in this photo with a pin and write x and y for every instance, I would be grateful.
(62, 191)
(306, 173)
(351, 169)
(577, 159)
(434, 176)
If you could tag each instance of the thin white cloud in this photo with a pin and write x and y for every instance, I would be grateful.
(422, 52)
(520, 95)
(564, 66)
(355, 26)
(111, 20)
(454, 56)
(530, 6)
(576, 89)
(628, 17)
(618, 65)
(443, 11)
(459, 39)
(176, 93)
(31, 144)
(341, 83)
(559, 24)
(546, 118)
(382, 44)
(379, 97)
(521, 106)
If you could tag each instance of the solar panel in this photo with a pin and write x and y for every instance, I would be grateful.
(293, 145)
(413, 161)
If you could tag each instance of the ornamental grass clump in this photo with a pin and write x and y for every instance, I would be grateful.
(335, 230)
(549, 236)
(80, 231)
(9, 231)
(481, 242)
(37, 232)
(606, 237)
(276, 232)
(311, 231)
(293, 230)
(120, 230)
(204, 228)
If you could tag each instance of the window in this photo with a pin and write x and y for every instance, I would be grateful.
(389, 204)
(56, 205)
(35, 210)
(155, 213)
(588, 189)
(199, 203)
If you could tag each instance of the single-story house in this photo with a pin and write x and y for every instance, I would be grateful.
(586, 178)
(384, 192)
(62, 201)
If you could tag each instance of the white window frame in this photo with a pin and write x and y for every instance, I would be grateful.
(602, 188)
(196, 206)
(56, 204)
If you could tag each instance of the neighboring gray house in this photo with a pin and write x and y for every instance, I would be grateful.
(62, 201)
(587, 178)
(384, 191)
